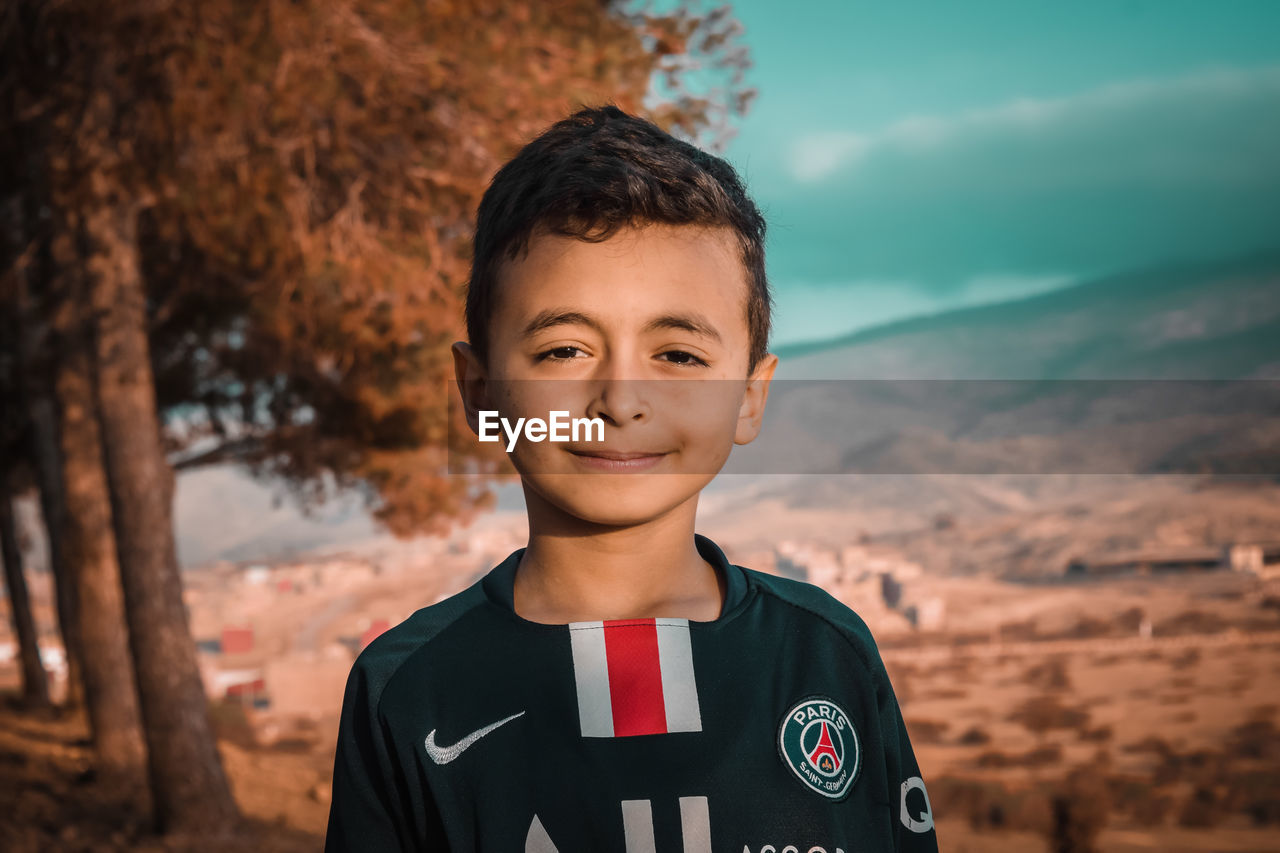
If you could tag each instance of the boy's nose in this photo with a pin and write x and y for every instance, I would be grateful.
(620, 400)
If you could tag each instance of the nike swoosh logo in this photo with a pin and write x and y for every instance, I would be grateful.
(445, 754)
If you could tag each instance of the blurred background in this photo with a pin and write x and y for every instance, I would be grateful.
(235, 240)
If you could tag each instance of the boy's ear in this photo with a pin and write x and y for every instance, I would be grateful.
(473, 384)
(751, 412)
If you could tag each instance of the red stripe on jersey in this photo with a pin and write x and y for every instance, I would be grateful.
(635, 677)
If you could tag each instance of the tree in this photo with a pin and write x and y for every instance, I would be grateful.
(33, 385)
(88, 535)
(42, 297)
(189, 786)
(13, 432)
(332, 158)
(271, 204)
(35, 682)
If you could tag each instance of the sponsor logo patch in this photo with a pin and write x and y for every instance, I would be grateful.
(817, 741)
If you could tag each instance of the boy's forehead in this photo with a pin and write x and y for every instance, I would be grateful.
(658, 261)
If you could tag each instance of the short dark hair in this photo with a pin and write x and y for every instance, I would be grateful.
(597, 171)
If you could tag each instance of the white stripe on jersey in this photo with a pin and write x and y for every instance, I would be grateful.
(679, 689)
(591, 674)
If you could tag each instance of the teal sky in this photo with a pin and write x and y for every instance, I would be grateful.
(915, 157)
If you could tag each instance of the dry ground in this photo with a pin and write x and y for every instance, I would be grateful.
(1174, 742)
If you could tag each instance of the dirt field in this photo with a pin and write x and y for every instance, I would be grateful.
(1143, 711)
(1165, 743)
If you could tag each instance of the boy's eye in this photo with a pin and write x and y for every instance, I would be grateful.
(544, 355)
(694, 362)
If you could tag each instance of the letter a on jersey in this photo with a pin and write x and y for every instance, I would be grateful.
(817, 741)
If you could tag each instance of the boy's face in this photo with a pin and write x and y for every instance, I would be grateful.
(614, 330)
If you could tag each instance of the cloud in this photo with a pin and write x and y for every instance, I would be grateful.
(1172, 128)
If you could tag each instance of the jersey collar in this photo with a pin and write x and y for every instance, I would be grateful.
(498, 584)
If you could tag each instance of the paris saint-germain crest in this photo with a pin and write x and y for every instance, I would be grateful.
(817, 741)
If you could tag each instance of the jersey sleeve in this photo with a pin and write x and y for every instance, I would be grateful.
(367, 811)
(912, 816)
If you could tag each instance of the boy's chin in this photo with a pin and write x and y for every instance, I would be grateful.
(622, 500)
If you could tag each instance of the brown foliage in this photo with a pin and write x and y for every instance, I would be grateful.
(305, 175)
(335, 174)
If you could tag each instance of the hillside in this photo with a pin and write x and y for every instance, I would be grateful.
(1210, 320)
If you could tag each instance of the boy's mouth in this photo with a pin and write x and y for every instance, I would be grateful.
(619, 460)
(619, 455)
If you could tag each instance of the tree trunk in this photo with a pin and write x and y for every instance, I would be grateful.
(25, 214)
(35, 684)
(187, 777)
(44, 451)
(88, 542)
(34, 359)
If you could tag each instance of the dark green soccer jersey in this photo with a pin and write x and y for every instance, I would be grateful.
(772, 729)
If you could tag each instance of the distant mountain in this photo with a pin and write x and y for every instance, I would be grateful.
(1210, 320)
(1167, 370)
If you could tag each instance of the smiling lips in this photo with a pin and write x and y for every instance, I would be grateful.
(617, 455)
(617, 460)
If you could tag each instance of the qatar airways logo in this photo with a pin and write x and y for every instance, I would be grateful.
(791, 848)
(536, 429)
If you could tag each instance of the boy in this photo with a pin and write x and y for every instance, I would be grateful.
(618, 684)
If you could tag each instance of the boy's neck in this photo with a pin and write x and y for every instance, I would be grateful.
(644, 572)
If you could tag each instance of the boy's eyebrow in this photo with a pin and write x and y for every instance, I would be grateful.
(693, 323)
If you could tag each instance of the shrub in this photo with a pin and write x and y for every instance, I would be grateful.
(1129, 621)
(1190, 622)
(1257, 738)
(1255, 793)
(1037, 757)
(989, 805)
(1152, 810)
(1050, 675)
(1201, 809)
(974, 737)
(1101, 733)
(1079, 807)
(1131, 793)
(926, 731)
(1043, 713)
(230, 722)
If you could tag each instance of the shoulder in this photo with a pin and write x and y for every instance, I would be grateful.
(814, 604)
(388, 653)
